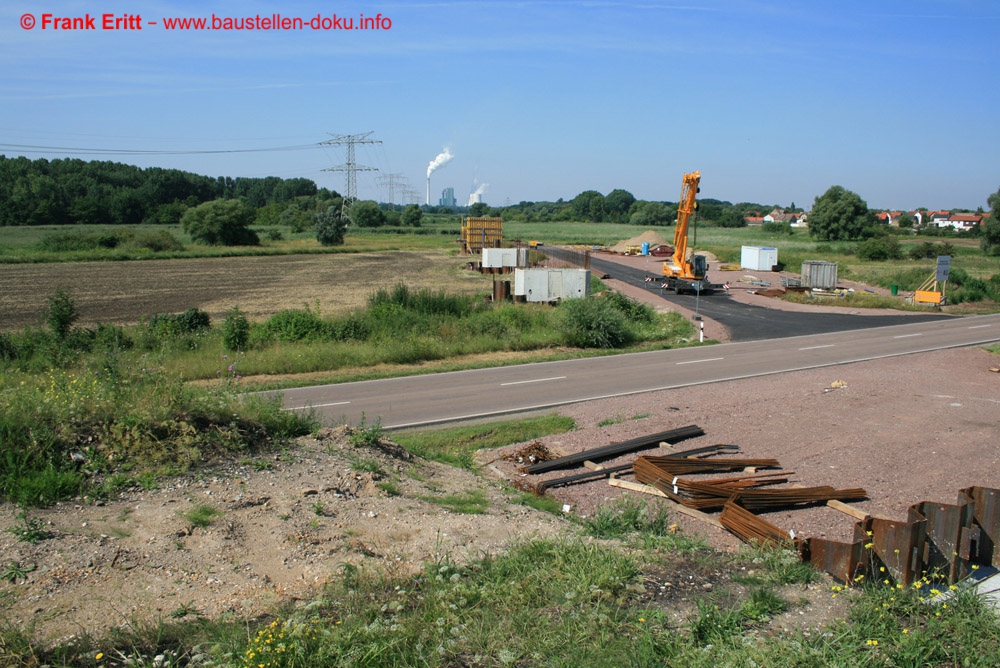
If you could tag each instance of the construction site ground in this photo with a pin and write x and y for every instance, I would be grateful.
(741, 290)
(906, 429)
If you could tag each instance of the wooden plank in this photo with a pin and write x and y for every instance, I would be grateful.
(592, 466)
(558, 450)
(636, 487)
(856, 513)
(649, 489)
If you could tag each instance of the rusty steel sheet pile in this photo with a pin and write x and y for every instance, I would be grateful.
(987, 518)
(940, 541)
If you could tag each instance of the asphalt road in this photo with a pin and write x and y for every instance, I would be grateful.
(744, 322)
(462, 395)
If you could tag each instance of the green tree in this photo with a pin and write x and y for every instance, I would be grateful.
(905, 222)
(617, 205)
(412, 215)
(331, 227)
(732, 218)
(366, 214)
(298, 215)
(990, 241)
(653, 214)
(840, 215)
(478, 209)
(221, 222)
(589, 206)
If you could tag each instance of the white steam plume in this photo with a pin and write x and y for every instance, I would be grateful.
(443, 158)
(476, 195)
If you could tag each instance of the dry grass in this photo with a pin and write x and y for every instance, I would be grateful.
(125, 292)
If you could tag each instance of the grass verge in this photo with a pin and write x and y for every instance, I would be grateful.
(569, 602)
(457, 445)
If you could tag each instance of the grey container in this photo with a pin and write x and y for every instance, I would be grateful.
(817, 274)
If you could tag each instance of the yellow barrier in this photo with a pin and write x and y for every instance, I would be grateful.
(928, 297)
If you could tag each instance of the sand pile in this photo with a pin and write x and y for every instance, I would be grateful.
(654, 238)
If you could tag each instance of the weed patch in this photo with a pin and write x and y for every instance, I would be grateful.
(467, 503)
(28, 529)
(457, 446)
(202, 516)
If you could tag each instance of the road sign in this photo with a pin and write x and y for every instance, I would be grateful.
(943, 268)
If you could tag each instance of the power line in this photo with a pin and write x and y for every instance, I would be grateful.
(350, 167)
(73, 150)
(394, 182)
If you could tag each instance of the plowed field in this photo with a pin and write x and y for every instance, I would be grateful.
(125, 292)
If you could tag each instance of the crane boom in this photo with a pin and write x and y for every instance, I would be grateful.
(685, 207)
(685, 271)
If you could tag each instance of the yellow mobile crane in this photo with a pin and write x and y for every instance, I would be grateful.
(684, 271)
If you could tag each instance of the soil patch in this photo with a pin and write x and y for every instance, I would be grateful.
(125, 292)
(283, 525)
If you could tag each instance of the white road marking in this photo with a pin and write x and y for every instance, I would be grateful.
(980, 326)
(712, 359)
(536, 380)
(829, 345)
(906, 336)
(301, 408)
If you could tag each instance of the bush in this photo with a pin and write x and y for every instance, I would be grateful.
(366, 214)
(8, 349)
(78, 240)
(878, 249)
(424, 302)
(330, 227)
(296, 325)
(62, 313)
(412, 215)
(235, 330)
(112, 338)
(632, 310)
(350, 328)
(157, 241)
(188, 322)
(593, 323)
(221, 222)
(777, 228)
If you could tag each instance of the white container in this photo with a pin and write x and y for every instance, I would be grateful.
(758, 258)
(548, 285)
(496, 258)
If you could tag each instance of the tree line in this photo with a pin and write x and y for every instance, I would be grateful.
(621, 206)
(73, 191)
(841, 215)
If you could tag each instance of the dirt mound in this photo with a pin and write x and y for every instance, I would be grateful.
(250, 535)
(652, 236)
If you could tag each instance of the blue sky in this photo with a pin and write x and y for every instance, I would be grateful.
(774, 101)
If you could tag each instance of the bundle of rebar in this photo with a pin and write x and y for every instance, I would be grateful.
(712, 495)
(750, 528)
(616, 449)
(669, 467)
